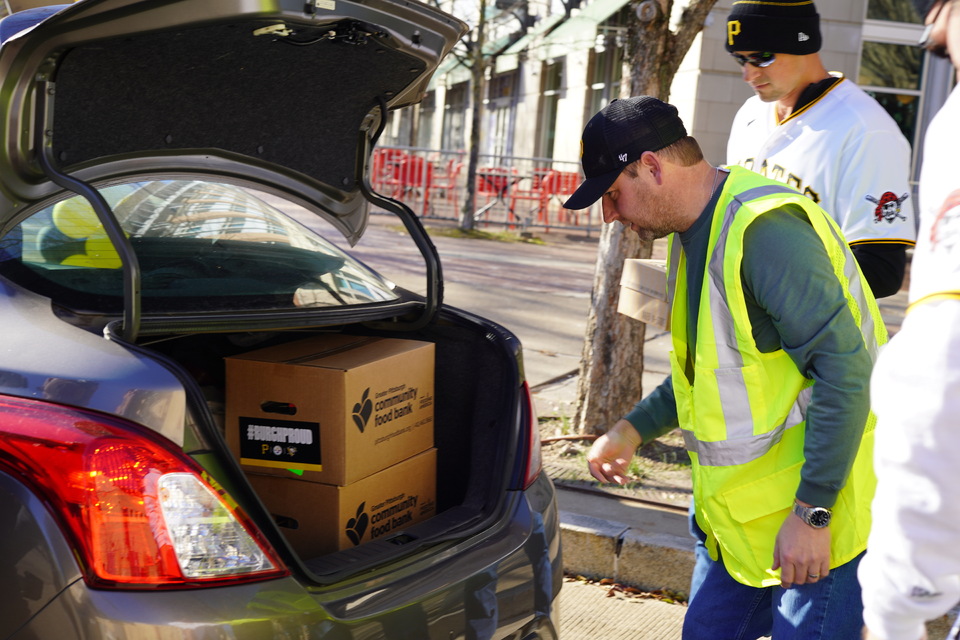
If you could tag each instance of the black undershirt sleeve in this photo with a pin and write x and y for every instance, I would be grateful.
(883, 265)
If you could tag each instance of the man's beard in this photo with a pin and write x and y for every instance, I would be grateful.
(661, 222)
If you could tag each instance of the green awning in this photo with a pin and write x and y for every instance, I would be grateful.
(580, 31)
(510, 58)
(457, 71)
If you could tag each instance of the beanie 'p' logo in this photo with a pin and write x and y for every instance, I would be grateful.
(733, 30)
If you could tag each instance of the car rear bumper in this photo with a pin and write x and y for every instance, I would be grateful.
(503, 587)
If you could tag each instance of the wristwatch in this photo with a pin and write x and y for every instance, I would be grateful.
(816, 517)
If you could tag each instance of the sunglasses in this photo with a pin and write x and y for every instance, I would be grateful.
(761, 59)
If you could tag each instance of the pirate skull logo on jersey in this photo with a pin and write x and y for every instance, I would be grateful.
(888, 207)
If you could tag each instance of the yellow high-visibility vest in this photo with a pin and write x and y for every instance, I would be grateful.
(743, 414)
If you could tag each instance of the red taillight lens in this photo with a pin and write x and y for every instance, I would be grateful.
(139, 512)
(534, 456)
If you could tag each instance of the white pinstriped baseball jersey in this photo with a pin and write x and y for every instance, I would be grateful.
(843, 151)
(936, 262)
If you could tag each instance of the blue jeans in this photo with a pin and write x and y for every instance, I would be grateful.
(724, 609)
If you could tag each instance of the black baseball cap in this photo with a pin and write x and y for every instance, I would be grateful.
(618, 135)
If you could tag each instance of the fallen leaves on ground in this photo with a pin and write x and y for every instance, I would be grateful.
(615, 588)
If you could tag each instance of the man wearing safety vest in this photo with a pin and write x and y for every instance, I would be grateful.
(774, 337)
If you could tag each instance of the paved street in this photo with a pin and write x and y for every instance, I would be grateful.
(541, 292)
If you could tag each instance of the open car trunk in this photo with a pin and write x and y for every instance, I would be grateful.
(476, 416)
(136, 135)
(227, 270)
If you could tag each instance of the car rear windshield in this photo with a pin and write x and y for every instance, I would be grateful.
(201, 246)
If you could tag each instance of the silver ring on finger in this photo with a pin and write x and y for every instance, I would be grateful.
(813, 576)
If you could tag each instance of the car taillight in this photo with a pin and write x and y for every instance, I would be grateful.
(139, 512)
(532, 458)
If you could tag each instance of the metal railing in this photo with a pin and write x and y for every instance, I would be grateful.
(517, 193)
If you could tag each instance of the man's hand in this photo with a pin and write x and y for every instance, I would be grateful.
(611, 453)
(801, 552)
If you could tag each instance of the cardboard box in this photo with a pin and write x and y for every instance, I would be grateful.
(321, 518)
(644, 292)
(332, 408)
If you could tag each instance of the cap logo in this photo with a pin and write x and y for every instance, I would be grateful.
(581, 148)
(622, 157)
(733, 29)
(802, 37)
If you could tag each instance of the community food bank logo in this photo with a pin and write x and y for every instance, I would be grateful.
(395, 402)
(357, 525)
(393, 514)
(362, 411)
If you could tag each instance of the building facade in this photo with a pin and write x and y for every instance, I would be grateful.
(543, 82)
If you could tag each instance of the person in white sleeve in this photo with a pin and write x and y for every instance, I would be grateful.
(911, 572)
(821, 134)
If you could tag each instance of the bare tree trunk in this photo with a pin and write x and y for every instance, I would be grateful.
(611, 365)
(612, 360)
(478, 78)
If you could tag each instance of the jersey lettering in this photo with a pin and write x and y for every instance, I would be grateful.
(813, 195)
(780, 174)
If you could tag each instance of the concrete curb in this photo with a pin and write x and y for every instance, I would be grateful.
(647, 559)
(637, 544)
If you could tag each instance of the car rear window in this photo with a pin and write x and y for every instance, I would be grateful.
(201, 246)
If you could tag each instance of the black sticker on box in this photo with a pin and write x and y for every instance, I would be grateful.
(281, 442)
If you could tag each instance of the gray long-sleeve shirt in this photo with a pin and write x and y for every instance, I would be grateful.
(796, 303)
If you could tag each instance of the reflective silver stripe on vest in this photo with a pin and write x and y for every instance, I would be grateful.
(741, 445)
(746, 449)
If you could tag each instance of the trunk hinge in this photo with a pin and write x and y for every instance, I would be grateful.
(121, 243)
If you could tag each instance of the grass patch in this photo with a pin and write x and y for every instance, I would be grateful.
(477, 234)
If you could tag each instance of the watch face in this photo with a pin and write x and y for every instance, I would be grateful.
(819, 518)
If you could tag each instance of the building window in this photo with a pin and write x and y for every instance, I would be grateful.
(425, 125)
(606, 73)
(552, 84)
(891, 73)
(892, 11)
(455, 117)
(501, 111)
(606, 60)
(892, 67)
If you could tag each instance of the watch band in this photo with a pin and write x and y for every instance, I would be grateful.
(816, 517)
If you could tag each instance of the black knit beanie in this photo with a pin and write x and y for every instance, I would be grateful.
(778, 26)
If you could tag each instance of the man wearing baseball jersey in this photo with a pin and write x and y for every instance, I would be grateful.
(821, 134)
(911, 572)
